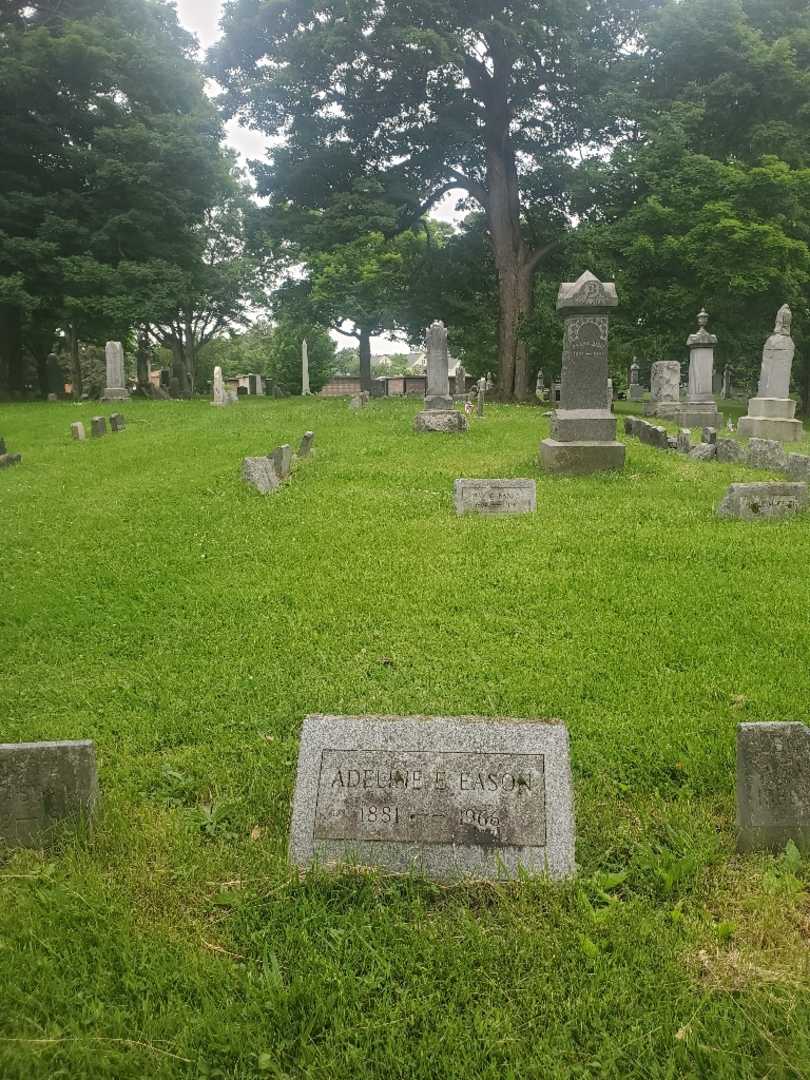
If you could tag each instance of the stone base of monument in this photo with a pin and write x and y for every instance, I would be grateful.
(581, 458)
(771, 418)
(115, 393)
(438, 403)
(583, 425)
(696, 414)
(444, 420)
(664, 410)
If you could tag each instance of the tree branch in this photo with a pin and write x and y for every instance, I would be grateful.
(539, 254)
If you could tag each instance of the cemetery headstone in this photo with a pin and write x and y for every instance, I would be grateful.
(117, 422)
(305, 449)
(260, 473)
(727, 390)
(220, 397)
(116, 388)
(282, 461)
(773, 786)
(766, 454)
(482, 393)
(729, 450)
(771, 414)
(684, 443)
(709, 435)
(438, 413)
(52, 398)
(635, 391)
(77, 431)
(703, 452)
(461, 382)
(305, 390)
(495, 496)
(448, 797)
(42, 785)
(540, 388)
(700, 410)
(583, 430)
(798, 467)
(98, 427)
(753, 502)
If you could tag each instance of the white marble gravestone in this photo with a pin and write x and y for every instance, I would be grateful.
(116, 388)
(771, 414)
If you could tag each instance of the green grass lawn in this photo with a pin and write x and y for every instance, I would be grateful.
(153, 603)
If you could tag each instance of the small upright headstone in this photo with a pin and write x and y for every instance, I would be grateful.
(116, 389)
(77, 431)
(773, 786)
(305, 449)
(729, 450)
(482, 393)
(438, 413)
(357, 402)
(42, 785)
(447, 797)
(635, 392)
(98, 426)
(766, 454)
(726, 392)
(461, 382)
(52, 398)
(117, 422)
(709, 435)
(771, 413)
(540, 388)
(684, 443)
(583, 429)
(282, 461)
(665, 388)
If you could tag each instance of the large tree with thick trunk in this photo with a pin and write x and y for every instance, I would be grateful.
(500, 100)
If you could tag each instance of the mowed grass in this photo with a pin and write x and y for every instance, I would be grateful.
(153, 603)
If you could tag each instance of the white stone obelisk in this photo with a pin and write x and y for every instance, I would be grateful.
(219, 388)
(305, 390)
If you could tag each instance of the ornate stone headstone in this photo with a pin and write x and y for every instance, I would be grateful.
(116, 378)
(219, 388)
(43, 784)
(438, 414)
(583, 429)
(447, 797)
(771, 413)
(773, 786)
(700, 409)
(305, 390)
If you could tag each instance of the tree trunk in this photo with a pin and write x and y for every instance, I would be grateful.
(142, 364)
(512, 261)
(12, 372)
(179, 369)
(365, 360)
(804, 386)
(75, 364)
(191, 354)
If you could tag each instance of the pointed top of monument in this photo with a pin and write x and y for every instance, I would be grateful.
(784, 317)
(586, 292)
(702, 337)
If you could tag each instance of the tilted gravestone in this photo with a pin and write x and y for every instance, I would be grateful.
(752, 502)
(495, 496)
(583, 429)
(282, 461)
(447, 797)
(260, 473)
(773, 786)
(305, 449)
(43, 784)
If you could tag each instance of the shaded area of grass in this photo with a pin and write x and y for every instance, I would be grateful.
(154, 604)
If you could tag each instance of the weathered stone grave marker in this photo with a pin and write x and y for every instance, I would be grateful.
(98, 427)
(43, 784)
(117, 422)
(583, 429)
(773, 786)
(447, 797)
(305, 449)
(438, 413)
(260, 473)
(752, 502)
(495, 496)
(282, 461)
(77, 431)
(116, 389)
(700, 409)
(771, 413)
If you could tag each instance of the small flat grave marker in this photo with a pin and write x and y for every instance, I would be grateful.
(773, 786)
(751, 502)
(450, 798)
(495, 496)
(42, 784)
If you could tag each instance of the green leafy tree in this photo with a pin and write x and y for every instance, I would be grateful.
(386, 107)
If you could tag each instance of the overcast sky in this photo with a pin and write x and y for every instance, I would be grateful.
(201, 17)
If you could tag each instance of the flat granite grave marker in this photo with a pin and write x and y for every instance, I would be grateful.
(773, 786)
(42, 784)
(751, 502)
(447, 797)
(495, 496)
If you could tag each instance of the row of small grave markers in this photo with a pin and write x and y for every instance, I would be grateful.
(479, 799)
(98, 427)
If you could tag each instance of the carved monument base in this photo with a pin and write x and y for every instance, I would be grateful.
(580, 458)
(771, 418)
